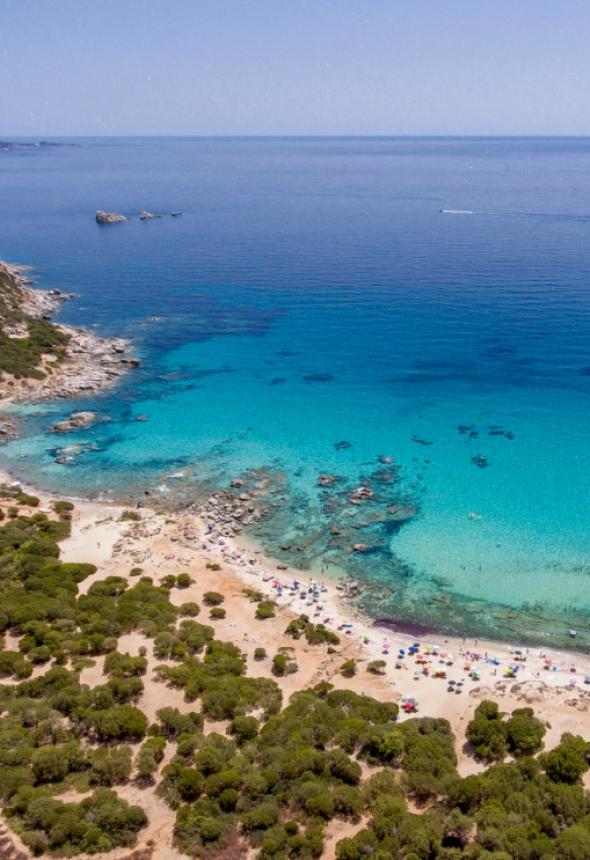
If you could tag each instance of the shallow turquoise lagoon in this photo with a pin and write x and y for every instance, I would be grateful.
(313, 294)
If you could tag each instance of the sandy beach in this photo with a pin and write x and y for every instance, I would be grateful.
(447, 677)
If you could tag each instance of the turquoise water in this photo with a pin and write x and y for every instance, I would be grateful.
(313, 293)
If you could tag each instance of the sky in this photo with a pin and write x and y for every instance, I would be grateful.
(249, 67)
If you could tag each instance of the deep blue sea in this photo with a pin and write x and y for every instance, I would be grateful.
(313, 293)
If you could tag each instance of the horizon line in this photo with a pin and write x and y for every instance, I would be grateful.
(6, 138)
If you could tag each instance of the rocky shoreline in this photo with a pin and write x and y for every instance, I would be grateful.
(89, 363)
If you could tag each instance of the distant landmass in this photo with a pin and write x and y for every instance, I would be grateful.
(9, 144)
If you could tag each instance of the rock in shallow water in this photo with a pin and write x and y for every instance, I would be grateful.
(76, 421)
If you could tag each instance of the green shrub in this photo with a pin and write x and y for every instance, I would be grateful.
(524, 732)
(174, 723)
(110, 765)
(129, 515)
(265, 609)
(568, 761)
(217, 612)
(190, 609)
(213, 598)
(348, 668)
(279, 665)
(120, 722)
(28, 500)
(97, 824)
(315, 634)
(376, 667)
(486, 732)
(149, 756)
(244, 728)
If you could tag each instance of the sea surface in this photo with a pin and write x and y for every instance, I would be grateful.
(324, 306)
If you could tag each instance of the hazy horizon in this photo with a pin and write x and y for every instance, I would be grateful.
(15, 137)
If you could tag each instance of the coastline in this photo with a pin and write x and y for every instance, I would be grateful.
(89, 364)
(164, 543)
(92, 363)
(219, 556)
(186, 531)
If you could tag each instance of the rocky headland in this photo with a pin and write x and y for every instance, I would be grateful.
(43, 360)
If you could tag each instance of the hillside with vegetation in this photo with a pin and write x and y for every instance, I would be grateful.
(28, 343)
(241, 769)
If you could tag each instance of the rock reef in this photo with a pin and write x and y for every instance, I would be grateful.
(76, 421)
(109, 217)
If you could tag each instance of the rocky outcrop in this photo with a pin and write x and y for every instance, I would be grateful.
(89, 362)
(147, 216)
(109, 217)
(76, 421)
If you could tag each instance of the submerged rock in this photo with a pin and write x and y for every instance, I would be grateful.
(419, 441)
(343, 445)
(76, 421)
(480, 460)
(109, 217)
(319, 377)
(401, 513)
(69, 453)
(328, 480)
(361, 494)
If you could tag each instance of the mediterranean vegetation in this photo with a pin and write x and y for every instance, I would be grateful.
(25, 339)
(241, 769)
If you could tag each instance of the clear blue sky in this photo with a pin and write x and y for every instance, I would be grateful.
(294, 67)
